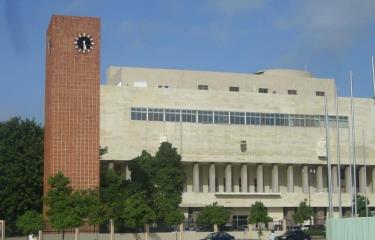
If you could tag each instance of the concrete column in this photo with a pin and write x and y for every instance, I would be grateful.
(236, 178)
(260, 178)
(204, 177)
(362, 179)
(228, 177)
(319, 178)
(305, 179)
(127, 172)
(275, 178)
(290, 178)
(110, 165)
(212, 177)
(196, 177)
(244, 177)
(335, 186)
(220, 177)
(348, 180)
(373, 179)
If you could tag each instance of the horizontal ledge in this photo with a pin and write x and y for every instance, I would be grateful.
(247, 194)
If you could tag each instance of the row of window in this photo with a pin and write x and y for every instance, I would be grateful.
(226, 117)
(260, 90)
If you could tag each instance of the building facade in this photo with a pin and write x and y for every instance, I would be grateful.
(243, 137)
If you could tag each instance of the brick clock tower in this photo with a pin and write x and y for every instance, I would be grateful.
(71, 141)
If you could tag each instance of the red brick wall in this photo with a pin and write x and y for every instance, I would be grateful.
(72, 103)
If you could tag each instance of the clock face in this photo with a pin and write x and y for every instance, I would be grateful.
(84, 43)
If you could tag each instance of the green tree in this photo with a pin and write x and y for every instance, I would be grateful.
(161, 179)
(259, 215)
(136, 211)
(169, 180)
(112, 195)
(66, 208)
(213, 214)
(30, 222)
(21, 169)
(361, 206)
(303, 213)
(97, 213)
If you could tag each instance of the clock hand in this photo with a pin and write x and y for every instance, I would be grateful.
(84, 45)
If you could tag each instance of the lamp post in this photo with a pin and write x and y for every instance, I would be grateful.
(310, 171)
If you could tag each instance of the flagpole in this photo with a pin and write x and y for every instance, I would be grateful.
(328, 161)
(365, 162)
(353, 146)
(338, 156)
(373, 74)
(350, 172)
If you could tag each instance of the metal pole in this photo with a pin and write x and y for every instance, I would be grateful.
(328, 162)
(353, 147)
(338, 156)
(350, 172)
(365, 162)
(373, 75)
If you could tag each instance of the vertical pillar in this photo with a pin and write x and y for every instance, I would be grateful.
(228, 177)
(348, 180)
(204, 176)
(319, 178)
(335, 186)
(196, 177)
(275, 178)
(220, 177)
(236, 178)
(305, 178)
(362, 179)
(110, 165)
(260, 178)
(373, 179)
(127, 171)
(212, 177)
(244, 177)
(290, 178)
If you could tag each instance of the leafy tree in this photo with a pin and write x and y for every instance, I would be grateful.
(112, 195)
(213, 214)
(303, 213)
(30, 222)
(97, 213)
(361, 206)
(21, 169)
(259, 215)
(66, 208)
(161, 179)
(136, 211)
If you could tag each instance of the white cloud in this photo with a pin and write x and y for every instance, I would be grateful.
(331, 25)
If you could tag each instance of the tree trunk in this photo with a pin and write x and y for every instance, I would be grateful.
(63, 236)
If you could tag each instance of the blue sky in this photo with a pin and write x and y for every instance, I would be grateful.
(329, 37)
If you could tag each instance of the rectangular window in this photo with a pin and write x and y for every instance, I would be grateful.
(320, 93)
(202, 87)
(263, 90)
(253, 118)
(205, 116)
(237, 118)
(292, 92)
(155, 114)
(221, 117)
(234, 89)
(172, 115)
(189, 115)
(138, 113)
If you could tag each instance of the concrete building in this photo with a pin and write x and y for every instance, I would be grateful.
(243, 137)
